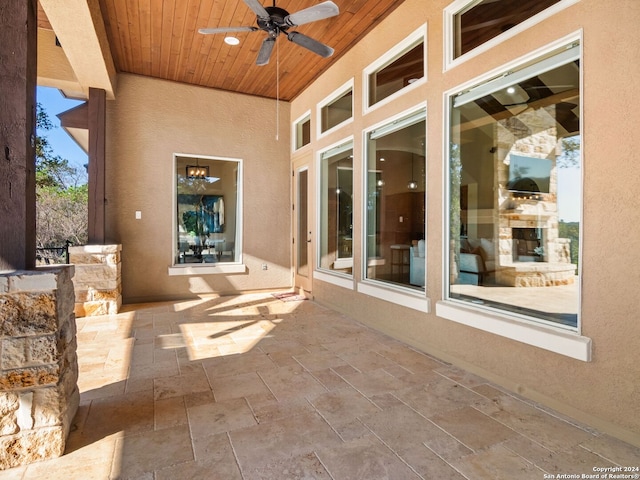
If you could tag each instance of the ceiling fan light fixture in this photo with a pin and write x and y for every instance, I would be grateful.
(275, 20)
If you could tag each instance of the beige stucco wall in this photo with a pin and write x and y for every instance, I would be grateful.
(606, 391)
(54, 69)
(147, 124)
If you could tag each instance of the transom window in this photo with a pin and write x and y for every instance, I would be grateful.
(515, 191)
(207, 210)
(337, 109)
(400, 68)
(302, 132)
(480, 21)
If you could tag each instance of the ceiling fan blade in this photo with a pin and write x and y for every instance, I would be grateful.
(258, 9)
(310, 44)
(312, 14)
(265, 51)
(208, 31)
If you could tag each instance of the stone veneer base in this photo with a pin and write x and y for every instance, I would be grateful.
(98, 283)
(38, 364)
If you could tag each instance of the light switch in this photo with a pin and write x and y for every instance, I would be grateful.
(138, 214)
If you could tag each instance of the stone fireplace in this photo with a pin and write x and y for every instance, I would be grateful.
(530, 252)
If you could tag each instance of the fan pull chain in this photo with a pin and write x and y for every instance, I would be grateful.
(277, 91)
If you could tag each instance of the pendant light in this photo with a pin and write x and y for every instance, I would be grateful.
(412, 185)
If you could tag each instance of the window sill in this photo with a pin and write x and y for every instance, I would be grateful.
(415, 301)
(548, 338)
(204, 269)
(339, 279)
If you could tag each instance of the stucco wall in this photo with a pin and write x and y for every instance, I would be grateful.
(150, 121)
(605, 391)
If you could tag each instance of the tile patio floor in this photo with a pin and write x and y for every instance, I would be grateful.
(252, 387)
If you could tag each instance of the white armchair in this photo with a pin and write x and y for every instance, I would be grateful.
(417, 263)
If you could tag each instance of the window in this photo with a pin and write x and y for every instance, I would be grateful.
(401, 67)
(515, 190)
(302, 132)
(336, 209)
(207, 211)
(482, 23)
(395, 202)
(338, 109)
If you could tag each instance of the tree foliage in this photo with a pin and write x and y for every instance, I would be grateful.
(62, 193)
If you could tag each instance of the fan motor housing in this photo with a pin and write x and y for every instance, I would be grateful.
(276, 19)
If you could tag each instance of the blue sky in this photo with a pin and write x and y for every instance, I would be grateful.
(61, 143)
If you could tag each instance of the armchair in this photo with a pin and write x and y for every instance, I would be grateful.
(417, 263)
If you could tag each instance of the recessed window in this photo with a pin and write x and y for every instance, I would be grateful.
(395, 202)
(302, 132)
(336, 209)
(399, 69)
(338, 109)
(207, 211)
(515, 191)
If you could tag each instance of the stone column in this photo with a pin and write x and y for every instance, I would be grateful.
(38, 365)
(97, 282)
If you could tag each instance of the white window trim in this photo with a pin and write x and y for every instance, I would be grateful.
(339, 279)
(552, 339)
(201, 269)
(325, 272)
(335, 95)
(500, 71)
(396, 52)
(401, 295)
(522, 329)
(196, 269)
(449, 30)
(294, 131)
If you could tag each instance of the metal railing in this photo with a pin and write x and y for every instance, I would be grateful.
(53, 255)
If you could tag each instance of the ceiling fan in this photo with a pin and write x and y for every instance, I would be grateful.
(275, 20)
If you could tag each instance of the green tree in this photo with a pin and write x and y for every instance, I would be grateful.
(61, 193)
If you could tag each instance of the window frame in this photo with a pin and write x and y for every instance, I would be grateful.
(237, 266)
(406, 296)
(335, 277)
(409, 42)
(553, 337)
(449, 32)
(294, 131)
(328, 100)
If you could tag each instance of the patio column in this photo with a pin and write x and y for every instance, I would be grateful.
(18, 55)
(96, 125)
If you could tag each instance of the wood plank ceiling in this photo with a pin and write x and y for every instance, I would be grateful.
(159, 38)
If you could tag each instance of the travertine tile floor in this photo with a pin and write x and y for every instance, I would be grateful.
(252, 387)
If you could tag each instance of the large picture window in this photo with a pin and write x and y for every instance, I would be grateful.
(207, 207)
(336, 209)
(515, 190)
(395, 202)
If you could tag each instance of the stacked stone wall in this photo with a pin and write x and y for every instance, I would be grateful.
(38, 365)
(98, 283)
